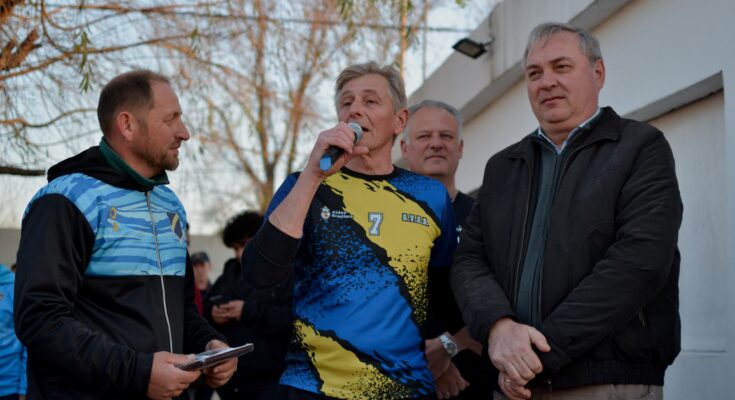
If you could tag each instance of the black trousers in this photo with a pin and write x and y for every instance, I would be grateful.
(255, 389)
(479, 373)
(291, 393)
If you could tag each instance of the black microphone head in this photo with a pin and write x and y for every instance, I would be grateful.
(358, 131)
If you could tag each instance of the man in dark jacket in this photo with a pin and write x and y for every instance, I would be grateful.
(247, 316)
(104, 288)
(568, 266)
(432, 145)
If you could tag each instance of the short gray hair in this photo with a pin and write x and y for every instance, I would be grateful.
(434, 104)
(395, 81)
(589, 44)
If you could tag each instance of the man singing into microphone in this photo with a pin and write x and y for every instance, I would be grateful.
(360, 241)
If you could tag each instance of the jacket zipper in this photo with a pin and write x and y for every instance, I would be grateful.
(556, 189)
(547, 381)
(160, 269)
(523, 237)
(642, 318)
(557, 182)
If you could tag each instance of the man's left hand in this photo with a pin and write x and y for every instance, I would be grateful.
(450, 383)
(438, 359)
(511, 389)
(219, 374)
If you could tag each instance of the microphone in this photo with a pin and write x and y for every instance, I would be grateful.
(333, 152)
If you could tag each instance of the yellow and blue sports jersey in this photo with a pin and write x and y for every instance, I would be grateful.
(360, 284)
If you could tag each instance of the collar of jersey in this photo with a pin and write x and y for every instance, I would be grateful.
(367, 177)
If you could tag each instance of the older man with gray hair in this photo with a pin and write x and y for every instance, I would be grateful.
(432, 145)
(568, 266)
(362, 241)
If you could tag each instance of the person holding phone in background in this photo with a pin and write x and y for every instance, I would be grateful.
(245, 316)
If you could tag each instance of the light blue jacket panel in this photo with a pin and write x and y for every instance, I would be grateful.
(125, 239)
(13, 357)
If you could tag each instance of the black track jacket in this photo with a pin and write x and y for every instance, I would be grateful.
(92, 336)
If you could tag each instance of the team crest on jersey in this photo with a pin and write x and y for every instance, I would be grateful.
(113, 217)
(339, 214)
(325, 213)
(176, 227)
(416, 219)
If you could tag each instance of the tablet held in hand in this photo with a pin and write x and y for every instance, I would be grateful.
(213, 357)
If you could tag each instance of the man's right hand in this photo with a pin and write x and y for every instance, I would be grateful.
(510, 350)
(341, 136)
(167, 380)
(289, 216)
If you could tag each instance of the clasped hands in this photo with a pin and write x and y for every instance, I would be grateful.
(510, 347)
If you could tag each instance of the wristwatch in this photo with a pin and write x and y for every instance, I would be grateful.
(448, 344)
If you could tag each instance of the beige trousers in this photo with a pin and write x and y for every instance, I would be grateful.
(597, 392)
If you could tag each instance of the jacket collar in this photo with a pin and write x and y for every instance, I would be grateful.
(115, 161)
(605, 127)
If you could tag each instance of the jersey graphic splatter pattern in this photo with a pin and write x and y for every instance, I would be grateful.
(360, 294)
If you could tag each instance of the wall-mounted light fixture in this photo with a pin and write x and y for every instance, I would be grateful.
(471, 48)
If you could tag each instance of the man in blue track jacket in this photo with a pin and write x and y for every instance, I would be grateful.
(105, 288)
(12, 353)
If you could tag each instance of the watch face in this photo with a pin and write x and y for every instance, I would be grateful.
(449, 345)
(451, 348)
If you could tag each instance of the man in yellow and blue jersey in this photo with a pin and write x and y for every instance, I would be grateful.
(360, 242)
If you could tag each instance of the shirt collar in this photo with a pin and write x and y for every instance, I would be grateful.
(561, 148)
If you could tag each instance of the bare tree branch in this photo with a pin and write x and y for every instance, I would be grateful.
(18, 171)
(23, 122)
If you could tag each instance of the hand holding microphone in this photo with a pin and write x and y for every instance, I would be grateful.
(333, 153)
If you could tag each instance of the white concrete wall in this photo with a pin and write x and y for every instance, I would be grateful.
(9, 239)
(669, 62)
(696, 133)
(216, 250)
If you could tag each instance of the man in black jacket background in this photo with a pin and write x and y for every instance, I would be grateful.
(432, 145)
(247, 316)
(568, 266)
